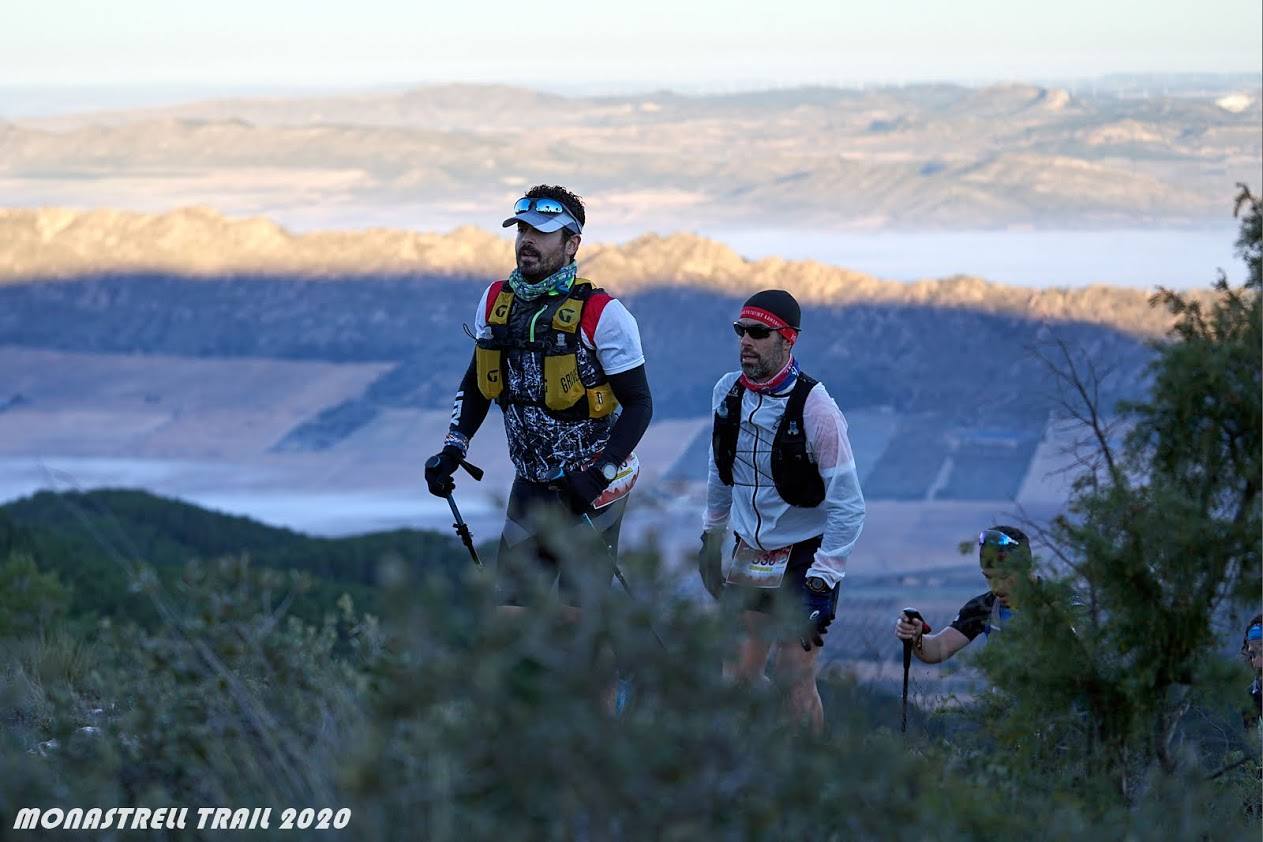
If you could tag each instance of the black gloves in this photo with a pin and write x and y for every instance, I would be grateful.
(580, 488)
(710, 564)
(439, 469)
(820, 613)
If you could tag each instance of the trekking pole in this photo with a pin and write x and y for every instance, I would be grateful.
(622, 580)
(462, 528)
(911, 614)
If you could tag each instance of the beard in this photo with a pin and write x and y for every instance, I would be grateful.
(535, 266)
(755, 368)
(759, 367)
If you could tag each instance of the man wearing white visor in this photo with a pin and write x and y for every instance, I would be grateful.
(563, 360)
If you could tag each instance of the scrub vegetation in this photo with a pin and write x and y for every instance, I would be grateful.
(1111, 710)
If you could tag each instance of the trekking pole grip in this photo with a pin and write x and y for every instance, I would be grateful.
(910, 614)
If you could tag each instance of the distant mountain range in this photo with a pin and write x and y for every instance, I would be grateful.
(49, 244)
(943, 156)
(229, 339)
(196, 284)
(942, 379)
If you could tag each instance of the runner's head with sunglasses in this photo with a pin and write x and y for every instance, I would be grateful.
(549, 222)
(783, 477)
(766, 331)
(1004, 555)
(562, 359)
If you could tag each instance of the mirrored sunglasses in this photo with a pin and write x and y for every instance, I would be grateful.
(996, 538)
(549, 206)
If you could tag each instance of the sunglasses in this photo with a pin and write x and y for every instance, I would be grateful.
(997, 539)
(551, 206)
(755, 331)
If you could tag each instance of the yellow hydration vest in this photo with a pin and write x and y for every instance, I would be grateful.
(563, 388)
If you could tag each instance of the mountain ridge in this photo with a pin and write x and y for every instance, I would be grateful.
(51, 244)
(917, 157)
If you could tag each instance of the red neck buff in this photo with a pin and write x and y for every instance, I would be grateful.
(777, 382)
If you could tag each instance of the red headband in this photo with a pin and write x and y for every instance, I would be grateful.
(770, 319)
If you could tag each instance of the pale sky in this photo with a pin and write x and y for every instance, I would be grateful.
(682, 43)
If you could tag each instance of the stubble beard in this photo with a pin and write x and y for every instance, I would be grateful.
(753, 369)
(761, 367)
(544, 266)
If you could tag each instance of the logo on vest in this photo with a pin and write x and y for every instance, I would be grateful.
(501, 312)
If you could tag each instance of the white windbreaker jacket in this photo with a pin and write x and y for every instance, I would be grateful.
(758, 514)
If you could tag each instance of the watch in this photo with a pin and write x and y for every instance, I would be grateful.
(609, 470)
(817, 585)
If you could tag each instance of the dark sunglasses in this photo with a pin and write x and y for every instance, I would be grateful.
(997, 539)
(755, 331)
(551, 206)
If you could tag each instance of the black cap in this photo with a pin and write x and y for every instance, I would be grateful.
(780, 303)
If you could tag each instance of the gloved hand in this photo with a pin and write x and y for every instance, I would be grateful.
(439, 469)
(819, 610)
(580, 488)
(710, 562)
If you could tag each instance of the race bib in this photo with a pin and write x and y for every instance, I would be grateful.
(758, 568)
(622, 484)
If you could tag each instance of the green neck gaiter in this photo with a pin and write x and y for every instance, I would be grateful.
(558, 282)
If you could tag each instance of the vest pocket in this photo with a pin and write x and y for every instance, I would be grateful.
(562, 386)
(490, 376)
(601, 401)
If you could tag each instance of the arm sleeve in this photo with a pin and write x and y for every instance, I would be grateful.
(718, 495)
(844, 502)
(631, 388)
(469, 409)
